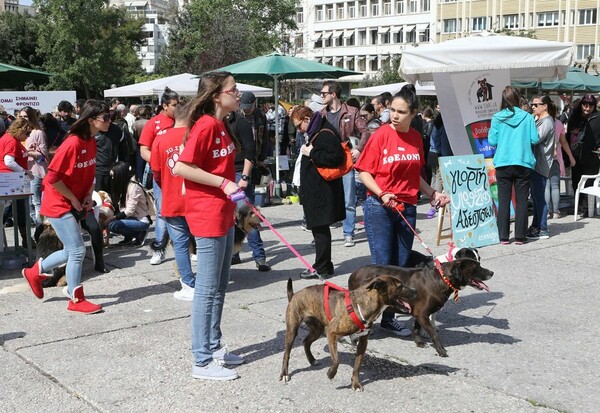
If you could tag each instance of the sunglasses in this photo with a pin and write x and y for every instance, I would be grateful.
(103, 118)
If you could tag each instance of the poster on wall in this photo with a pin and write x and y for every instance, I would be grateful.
(467, 184)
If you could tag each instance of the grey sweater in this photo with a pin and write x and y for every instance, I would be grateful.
(544, 149)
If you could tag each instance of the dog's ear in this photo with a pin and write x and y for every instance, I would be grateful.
(379, 283)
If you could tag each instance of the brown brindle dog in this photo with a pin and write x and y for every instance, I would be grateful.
(367, 303)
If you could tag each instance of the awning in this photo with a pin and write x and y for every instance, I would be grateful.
(327, 35)
(348, 58)
(422, 27)
(337, 59)
(360, 58)
(396, 29)
(317, 37)
(337, 33)
(326, 60)
(371, 58)
(384, 30)
(349, 33)
(410, 28)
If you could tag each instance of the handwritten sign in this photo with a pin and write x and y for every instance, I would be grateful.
(466, 182)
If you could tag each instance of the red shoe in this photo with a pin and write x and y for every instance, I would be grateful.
(80, 305)
(34, 277)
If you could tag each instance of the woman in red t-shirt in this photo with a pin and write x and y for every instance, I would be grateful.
(207, 166)
(13, 158)
(67, 197)
(390, 168)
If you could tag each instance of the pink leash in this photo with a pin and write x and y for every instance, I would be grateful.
(287, 244)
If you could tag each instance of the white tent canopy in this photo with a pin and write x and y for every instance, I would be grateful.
(393, 88)
(185, 84)
(527, 59)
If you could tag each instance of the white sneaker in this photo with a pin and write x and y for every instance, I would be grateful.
(213, 371)
(222, 356)
(185, 294)
(65, 292)
(157, 257)
(193, 257)
(348, 241)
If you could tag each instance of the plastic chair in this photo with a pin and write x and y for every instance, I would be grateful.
(592, 192)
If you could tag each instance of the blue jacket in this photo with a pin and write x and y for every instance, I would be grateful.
(512, 134)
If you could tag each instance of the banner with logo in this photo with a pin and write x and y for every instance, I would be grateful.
(466, 183)
(45, 102)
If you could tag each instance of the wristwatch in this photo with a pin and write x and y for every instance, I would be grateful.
(245, 177)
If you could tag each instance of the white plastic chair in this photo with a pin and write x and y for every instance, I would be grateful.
(592, 192)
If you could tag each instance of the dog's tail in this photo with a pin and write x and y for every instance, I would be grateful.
(290, 290)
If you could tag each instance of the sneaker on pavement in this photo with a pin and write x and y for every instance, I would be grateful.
(395, 327)
(213, 371)
(235, 259)
(310, 275)
(222, 356)
(431, 213)
(336, 224)
(157, 257)
(348, 241)
(185, 294)
(533, 233)
(262, 265)
(35, 277)
(557, 215)
(543, 234)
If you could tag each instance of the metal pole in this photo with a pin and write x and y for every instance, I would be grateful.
(277, 186)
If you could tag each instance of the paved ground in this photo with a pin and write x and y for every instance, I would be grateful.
(530, 345)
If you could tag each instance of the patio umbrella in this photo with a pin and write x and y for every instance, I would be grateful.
(576, 80)
(12, 76)
(186, 84)
(276, 67)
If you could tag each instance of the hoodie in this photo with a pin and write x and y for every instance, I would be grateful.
(512, 133)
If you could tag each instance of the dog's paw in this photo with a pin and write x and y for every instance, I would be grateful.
(285, 378)
(357, 387)
(314, 363)
(443, 353)
(421, 344)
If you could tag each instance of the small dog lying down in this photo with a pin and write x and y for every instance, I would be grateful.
(350, 312)
(106, 210)
(432, 290)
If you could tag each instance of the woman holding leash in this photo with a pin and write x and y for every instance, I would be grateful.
(390, 167)
(68, 188)
(207, 167)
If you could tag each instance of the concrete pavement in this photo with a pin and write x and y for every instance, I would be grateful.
(527, 346)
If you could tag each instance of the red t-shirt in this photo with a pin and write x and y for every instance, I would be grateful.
(153, 126)
(395, 160)
(75, 159)
(208, 211)
(9, 145)
(165, 153)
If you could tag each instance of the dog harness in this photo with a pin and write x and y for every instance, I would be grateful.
(360, 324)
(108, 205)
(446, 280)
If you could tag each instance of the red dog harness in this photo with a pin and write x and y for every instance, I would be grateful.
(446, 280)
(349, 308)
(109, 206)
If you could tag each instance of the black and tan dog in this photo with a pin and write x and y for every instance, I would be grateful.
(47, 243)
(432, 290)
(349, 311)
(245, 221)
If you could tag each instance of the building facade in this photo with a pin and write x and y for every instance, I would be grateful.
(364, 35)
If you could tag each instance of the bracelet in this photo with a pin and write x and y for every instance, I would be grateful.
(384, 193)
(224, 183)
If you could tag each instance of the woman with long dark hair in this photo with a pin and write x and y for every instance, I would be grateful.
(207, 166)
(584, 138)
(512, 133)
(68, 188)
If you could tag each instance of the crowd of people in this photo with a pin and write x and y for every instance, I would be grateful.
(197, 155)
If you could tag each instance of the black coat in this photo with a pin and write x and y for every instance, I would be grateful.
(323, 201)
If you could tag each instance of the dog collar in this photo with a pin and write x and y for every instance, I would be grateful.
(446, 280)
(360, 324)
(108, 205)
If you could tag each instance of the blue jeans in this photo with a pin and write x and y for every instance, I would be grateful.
(129, 227)
(73, 252)
(160, 226)
(36, 189)
(350, 202)
(552, 193)
(214, 261)
(179, 231)
(255, 242)
(540, 209)
(390, 239)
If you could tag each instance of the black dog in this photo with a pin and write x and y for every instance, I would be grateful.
(432, 290)
(245, 221)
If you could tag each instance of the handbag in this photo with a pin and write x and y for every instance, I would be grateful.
(330, 174)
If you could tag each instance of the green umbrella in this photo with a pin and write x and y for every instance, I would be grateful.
(276, 66)
(12, 76)
(576, 80)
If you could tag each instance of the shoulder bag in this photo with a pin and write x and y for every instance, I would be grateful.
(329, 174)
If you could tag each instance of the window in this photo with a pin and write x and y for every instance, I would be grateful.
(299, 42)
(478, 24)
(585, 50)
(319, 14)
(399, 37)
(351, 12)
(588, 16)
(550, 18)
(362, 64)
(373, 36)
(362, 9)
(449, 25)
(340, 12)
(329, 13)
(385, 37)
(413, 6)
(511, 21)
(299, 16)
(373, 65)
(362, 37)
(375, 9)
(387, 7)
(400, 7)
(351, 40)
(339, 40)
(411, 36)
(425, 6)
